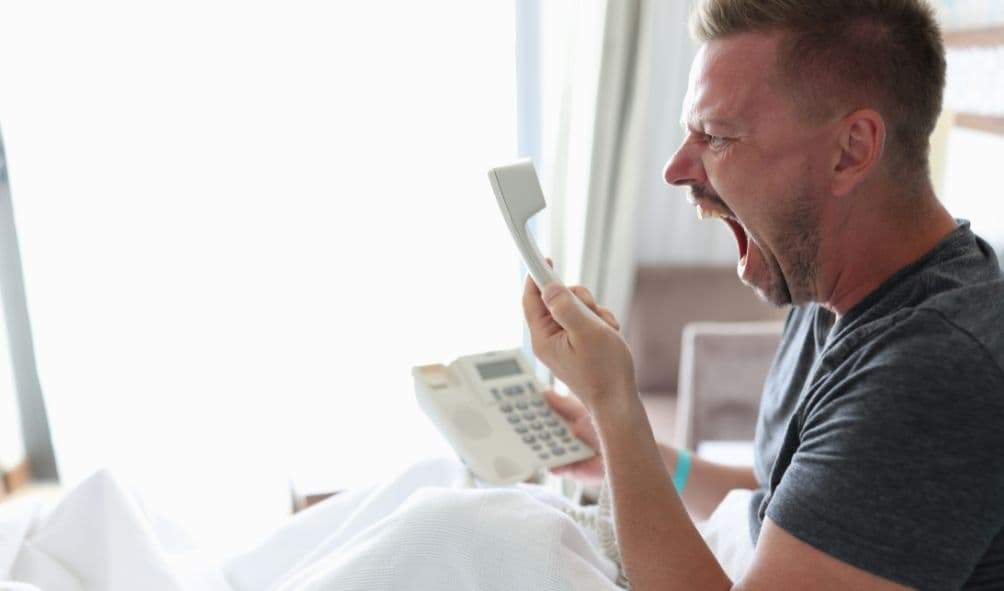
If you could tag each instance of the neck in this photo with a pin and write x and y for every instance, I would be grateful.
(874, 237)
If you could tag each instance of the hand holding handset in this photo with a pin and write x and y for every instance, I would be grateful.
(491, 409)
(490, 406)
(518, 193)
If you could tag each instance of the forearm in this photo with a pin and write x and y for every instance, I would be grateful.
(708, 482)
(660, 547)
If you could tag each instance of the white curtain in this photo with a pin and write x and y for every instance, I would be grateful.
(668, 232)
(243, 223)
(612, 80)
(12, 450)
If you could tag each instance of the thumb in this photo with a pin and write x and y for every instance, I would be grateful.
(566, 309)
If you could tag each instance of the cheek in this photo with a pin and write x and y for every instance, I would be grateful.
(737, 169)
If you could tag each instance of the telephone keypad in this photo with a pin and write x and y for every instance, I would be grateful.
(534, 422)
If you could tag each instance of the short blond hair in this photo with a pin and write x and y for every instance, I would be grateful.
(845, 54)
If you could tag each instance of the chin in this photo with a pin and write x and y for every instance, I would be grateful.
(774, 292)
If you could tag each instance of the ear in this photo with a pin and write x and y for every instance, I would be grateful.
(861, 140)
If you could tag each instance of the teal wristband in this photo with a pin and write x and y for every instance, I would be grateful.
(682, 471)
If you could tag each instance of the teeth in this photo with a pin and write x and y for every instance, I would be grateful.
(708, 214)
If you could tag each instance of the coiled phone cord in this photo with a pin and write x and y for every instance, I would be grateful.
(600, 519)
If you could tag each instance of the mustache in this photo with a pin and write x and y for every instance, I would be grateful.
(708, 196)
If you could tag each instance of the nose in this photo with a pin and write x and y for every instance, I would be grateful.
(685, 167)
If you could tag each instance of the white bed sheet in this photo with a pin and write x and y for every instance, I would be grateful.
(424, 529)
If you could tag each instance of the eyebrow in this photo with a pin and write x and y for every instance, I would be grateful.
(727, 123)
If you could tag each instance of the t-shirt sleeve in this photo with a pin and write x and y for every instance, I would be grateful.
(899, 468)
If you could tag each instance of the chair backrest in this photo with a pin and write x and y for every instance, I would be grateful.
(34, 420)
(666, 298)
(723, 366)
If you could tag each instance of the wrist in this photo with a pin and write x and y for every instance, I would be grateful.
(617, 407)
(681, 472)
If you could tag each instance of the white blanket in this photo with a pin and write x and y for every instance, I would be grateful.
(425, 529)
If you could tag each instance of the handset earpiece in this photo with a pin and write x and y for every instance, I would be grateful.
(520, 197)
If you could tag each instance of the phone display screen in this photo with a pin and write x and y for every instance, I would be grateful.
(498, 369)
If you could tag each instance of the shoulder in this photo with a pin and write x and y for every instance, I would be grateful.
(917, 364)
(927, 339)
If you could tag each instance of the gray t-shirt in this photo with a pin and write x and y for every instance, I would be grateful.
(880, 439)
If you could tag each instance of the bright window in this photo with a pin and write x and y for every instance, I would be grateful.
(242, 223)
(972, 181)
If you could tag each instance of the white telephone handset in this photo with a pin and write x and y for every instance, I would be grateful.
(491, 409)
(519, 197)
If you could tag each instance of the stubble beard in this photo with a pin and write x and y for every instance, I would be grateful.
(799, 242)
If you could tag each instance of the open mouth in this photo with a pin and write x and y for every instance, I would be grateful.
(742, 238)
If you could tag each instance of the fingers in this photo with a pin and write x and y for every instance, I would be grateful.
(585, 295)
(568, 310)
(587, 298)
(608, 317)
(538, 317)
(568, 407)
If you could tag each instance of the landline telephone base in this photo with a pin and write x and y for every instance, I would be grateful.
(491, 409)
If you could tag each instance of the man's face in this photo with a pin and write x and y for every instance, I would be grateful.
(749, 158)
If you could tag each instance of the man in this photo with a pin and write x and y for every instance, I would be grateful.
(880, 442)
